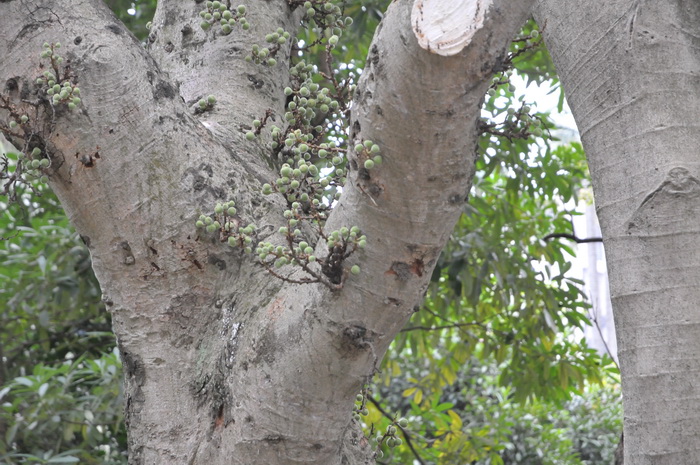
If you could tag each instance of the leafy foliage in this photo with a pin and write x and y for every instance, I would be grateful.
(73, 407)
(48, 293)
(50, 313)
(477, 420)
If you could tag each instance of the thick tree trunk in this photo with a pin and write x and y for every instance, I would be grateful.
(630, 70)
(224, 363)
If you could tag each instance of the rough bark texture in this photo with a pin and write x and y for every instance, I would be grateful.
(631, 71)
(225, 364)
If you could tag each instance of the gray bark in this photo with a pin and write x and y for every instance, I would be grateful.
(224, 363)
(630, 71)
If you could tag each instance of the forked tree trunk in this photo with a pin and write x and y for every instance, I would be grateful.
(225, 364)
(631, 71)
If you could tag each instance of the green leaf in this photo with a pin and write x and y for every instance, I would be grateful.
(42, 389)
(24, 381)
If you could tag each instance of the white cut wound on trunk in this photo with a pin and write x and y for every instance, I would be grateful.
(445, 27)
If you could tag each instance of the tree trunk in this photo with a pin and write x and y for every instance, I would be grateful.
(630, 71)
(223, 362)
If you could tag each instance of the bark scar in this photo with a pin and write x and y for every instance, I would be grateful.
(403, 270)
(632, 20)
(671, 207)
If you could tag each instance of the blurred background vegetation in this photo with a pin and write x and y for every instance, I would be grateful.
(488, 371)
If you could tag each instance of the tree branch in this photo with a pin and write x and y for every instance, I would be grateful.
(572, 237)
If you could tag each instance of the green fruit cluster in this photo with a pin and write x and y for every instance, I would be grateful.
(309, 100)
(346, 238)
(303, 144)
(369, 154)
(50, 52)
(26, 169)
(206, 104)
(219, 13)
(518, 123)
(390, 437)
(300, 181)
(317, 109)
(34, 163)
(325, 19)
(300, 251)
(295, 251)
(277, 256)
(393, 441)
(59, 91)
(305, 190)
(310, 150)
(229, 226)
(13, 123)
(527, 41)
(266, 55)
(501, 81)
(360, 407)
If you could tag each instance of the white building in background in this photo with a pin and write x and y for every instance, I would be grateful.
(590, 265)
